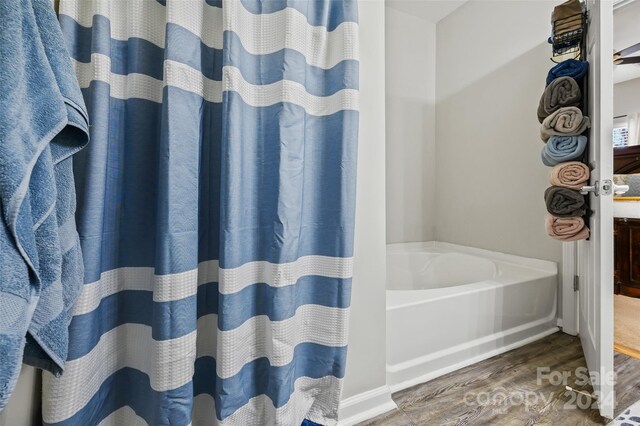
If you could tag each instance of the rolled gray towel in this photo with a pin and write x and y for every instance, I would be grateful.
(562, 92)
(565, 121)
(564, 202)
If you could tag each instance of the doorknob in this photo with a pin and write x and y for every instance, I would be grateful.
(606, 187)
(620, 189)
(590, 188)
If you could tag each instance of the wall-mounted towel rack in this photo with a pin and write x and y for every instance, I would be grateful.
(569, 36)
(585, 105)
(570, 22)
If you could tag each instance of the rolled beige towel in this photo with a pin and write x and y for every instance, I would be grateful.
(567, 228)
(567, 17)
(565, 121)
(562, 92)
(568, 9)
(572, 175)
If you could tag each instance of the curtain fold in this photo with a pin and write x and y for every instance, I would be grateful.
(215, 210)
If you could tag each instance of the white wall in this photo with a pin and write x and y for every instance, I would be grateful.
(626, 33)
(626, 97)
(410, 119)
(366, 363)
(492, 60)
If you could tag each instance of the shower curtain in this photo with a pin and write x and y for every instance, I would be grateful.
(215, 211)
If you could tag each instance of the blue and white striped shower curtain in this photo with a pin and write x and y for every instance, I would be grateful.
(215, 210)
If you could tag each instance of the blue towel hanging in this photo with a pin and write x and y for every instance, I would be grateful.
(44, 122)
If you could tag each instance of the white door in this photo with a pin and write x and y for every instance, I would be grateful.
(595, 257)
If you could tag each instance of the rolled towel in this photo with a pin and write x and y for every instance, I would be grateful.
(569, 68)
(566, 228)
(563, 148)
(564, 202)
(572, 175)
(565, 121)
(562, 92)
(567, 18)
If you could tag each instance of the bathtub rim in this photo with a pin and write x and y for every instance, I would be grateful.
(402, 298)
(527, 262)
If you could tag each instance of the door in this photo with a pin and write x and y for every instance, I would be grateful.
(626, 239)
(595, 256)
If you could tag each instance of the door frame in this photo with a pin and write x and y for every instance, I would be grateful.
(568, 320)
(574, 254)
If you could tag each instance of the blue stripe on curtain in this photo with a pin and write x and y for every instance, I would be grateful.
(112, 243)
(215, 210)
(264, 69)
(320, 226)
(317, 12)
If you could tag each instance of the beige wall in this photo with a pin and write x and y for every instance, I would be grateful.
(410, 121)
(492, 60)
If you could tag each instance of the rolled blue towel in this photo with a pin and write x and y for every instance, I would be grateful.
(569, 68)
(43, 123)
(559, 149)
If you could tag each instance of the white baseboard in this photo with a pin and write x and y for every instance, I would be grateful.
(365, 406)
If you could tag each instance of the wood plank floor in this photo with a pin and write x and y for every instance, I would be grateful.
(505, 390)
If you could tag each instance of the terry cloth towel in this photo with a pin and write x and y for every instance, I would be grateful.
(566, 228)
(43, 122)
(566, 10)
(563, 148)
(563, 202)
(565, 121)
(567, 17)
(569, 68)
(572, 175)
(562, 92)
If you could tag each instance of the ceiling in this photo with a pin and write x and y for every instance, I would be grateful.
(626, 32)
(430, 10)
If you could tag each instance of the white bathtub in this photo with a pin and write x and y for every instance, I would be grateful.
(450, 306)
